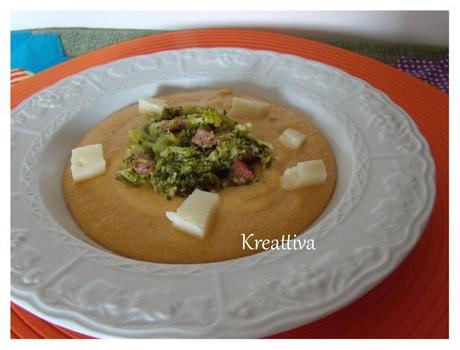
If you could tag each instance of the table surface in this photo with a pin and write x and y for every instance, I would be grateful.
(78, 41)
(344, 323)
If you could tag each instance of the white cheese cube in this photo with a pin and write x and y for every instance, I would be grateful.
(290, 179)
(291, 138)
(87, 162)
(195, 214)
(304, 174)
(248, 108)
(151, 106)
(312, 172)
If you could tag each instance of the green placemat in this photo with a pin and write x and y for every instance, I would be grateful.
(77, 41)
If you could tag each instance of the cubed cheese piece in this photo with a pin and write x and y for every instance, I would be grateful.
(312, 172)
(87, 162)
(290, 179)
(151, 106)
(195, 214)
(292, 138)
(304, 174)
(248, 108)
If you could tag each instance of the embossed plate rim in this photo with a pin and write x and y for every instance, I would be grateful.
(290, 320)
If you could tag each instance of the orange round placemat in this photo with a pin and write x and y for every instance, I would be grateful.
(413, 301)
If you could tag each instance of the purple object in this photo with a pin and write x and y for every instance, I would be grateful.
(434, 72)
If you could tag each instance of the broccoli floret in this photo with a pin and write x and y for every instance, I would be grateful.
(129, 175)
(171, 113)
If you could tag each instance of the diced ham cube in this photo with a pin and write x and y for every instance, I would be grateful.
(143, 164)
(175, 125)
(240, 173)
(204, 138)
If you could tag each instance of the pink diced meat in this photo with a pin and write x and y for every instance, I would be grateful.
(174, 125)
(143, 164)
(240, 173)
(204, 138)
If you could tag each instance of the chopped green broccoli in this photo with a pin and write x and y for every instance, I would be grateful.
(172, 143)
(129, 175)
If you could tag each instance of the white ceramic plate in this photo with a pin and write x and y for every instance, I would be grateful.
(384, 196)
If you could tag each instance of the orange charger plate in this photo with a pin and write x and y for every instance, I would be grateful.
(413, 301)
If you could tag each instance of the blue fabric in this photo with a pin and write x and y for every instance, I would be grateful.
(17, 38)
(36, 52)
